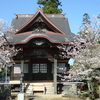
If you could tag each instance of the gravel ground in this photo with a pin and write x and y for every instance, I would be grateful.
(44, 97)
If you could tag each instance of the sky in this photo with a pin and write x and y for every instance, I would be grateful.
(74, 10)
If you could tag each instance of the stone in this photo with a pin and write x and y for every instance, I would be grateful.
(70, 89)
(87, 98)
(21, 96)
(5, 90)
(97, 99)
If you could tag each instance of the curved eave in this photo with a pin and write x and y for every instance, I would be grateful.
(27, 39)
(33, 19)
(56, 42)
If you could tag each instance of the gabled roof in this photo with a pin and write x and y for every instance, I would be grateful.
(32, 21)
(57, 22)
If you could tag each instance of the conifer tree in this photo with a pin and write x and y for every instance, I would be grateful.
(50, 6)
(86, 18)
(85, 21)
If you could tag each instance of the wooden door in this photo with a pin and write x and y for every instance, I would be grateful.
(39, 71)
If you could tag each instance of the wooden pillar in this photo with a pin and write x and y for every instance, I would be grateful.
(12, 73)
(22, 65)
(30, 74)
(55, 76)
(48, 71)
(21, 77)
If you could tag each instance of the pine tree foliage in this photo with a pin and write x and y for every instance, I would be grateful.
(50, 6)
(86, 20)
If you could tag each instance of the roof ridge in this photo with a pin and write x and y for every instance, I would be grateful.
(31, 15)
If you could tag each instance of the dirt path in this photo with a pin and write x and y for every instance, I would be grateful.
(52, 97)
(44, 97)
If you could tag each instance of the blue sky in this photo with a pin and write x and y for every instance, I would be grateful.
(74, 10)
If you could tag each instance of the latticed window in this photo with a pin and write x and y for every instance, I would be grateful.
(35, 68)
(40, 68)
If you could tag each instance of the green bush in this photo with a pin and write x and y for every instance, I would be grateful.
(95, 90)
(3, 72)
(94, 93)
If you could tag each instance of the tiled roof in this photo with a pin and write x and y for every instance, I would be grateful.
(57, 20)
(20, 39)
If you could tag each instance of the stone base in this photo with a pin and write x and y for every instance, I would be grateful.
(21, 96)
(70, 89)
(5, 90)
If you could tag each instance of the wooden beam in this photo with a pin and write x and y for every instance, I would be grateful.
(60, 61)
(19, 61)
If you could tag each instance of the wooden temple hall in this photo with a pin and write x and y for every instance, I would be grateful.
(38, 36)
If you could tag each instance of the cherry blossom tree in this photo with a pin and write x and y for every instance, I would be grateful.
(6, 50)
(86, 53)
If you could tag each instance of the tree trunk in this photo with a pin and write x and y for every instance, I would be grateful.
(99, 91)
(89, 86)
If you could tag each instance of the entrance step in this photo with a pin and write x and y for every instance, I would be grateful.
(36, 88)
(28, 88)
(49, 89)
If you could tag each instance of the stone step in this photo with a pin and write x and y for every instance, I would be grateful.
(30, 88)
(36, 88)
(49, 90)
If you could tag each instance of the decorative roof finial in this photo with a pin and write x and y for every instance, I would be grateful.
(40, 8)
(16, 15)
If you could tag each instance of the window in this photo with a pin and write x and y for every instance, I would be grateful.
(60, 65)
(43, 68)
(25, 68)
(17, 68)
(39, 68)
(35, 68)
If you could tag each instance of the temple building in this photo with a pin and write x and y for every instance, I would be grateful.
(38, 36)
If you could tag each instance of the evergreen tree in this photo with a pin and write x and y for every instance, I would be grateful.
(50, 6)
(85, 21)
(98, 16)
